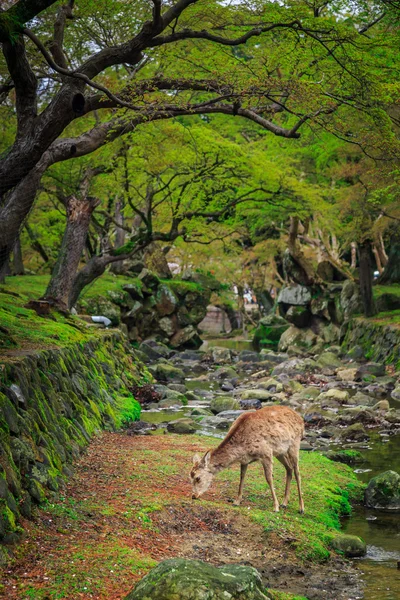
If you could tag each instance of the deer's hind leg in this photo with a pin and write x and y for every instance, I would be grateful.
(293, 455)
(289, 474)
(268, 470)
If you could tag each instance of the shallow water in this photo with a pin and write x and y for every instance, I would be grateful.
(232, 344)
(379, 529)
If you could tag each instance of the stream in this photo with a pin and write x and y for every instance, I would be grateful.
(380, 568)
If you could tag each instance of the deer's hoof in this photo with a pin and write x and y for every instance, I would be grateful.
(284, 506)
(236, 503)
(301, 511)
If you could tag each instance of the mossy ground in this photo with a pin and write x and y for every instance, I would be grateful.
(128, 506)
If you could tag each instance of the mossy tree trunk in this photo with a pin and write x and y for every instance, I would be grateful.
(117, 267)
(391, 274)
(18, 264)
(365, 249)
(79, 212)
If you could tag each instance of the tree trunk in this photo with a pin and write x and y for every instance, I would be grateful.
(5, 271)
(35, 244)
(16, 208)
(353, 255)
(366, 278)
(303, 272)
(391, 274)
(18, 265)
(79, 212)
(117, 267)
(91, 271)
(377, 259)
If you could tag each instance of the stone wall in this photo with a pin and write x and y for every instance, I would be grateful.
(381, 343)
(168, 310)
(51, 403)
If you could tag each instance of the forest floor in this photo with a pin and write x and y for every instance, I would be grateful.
(129, 505)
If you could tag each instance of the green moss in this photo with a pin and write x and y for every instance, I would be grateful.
(128, 410)
(181, 288)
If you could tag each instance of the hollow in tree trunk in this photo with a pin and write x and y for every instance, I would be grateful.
(367, 296)
(79, 212)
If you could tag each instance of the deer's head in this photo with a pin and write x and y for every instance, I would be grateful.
(201, 475)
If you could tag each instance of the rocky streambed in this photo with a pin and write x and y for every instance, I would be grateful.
(351, 408)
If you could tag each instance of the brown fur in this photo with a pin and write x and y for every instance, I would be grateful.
(256, 436)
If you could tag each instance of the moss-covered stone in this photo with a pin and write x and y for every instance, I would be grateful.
(196, 580)
(350, 546)
(383, 491)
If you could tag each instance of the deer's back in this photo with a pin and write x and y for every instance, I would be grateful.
(274, 429)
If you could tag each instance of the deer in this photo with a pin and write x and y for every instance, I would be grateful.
(255, 436)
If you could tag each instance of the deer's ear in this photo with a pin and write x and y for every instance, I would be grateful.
(206, 458)
(196, 459)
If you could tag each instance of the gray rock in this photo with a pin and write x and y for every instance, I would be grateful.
(383, 491)
(223, 373)
(195, 580)
(182, 426)
(350, 546)
(294, 294)
(329, 361)
(221, 355)
(256, 394)
(250, 404)
(223, 403)
(371, 368)
(249, 356)
(299, 316)
(305, 338)
(355, 353)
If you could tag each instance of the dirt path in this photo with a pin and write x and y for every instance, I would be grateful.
(128, 506)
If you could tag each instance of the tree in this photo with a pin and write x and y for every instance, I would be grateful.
(148, 71)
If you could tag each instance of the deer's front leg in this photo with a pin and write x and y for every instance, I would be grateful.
(243, 469)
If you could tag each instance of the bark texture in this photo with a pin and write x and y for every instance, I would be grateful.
(365, 249)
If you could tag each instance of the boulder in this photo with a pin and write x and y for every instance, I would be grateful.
(383, 491)
(297, 295)
(381, 405)
(355, 433)
(370, 369)
(341, 396)
(355, 353)
(347, 374)
(149, 279)
(299, 316)
(221, 355)
(167, 372)
(249, 356)
(294, 366)
(222, 403)
(168, 326)
(396, 393)
(387, 302)
(223, 373)
(328, 360)
(179, 578)
(256, 394)
(182, 426)
(350, 546)
(154, 350)
(187, 337)
(304, 338)
(166, 301)
(350, 299)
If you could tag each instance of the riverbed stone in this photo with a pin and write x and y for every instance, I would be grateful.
(247, 356)
(250, 404)
(187, 337)
(383, 491)
(256, 394)
(223, 373)
(355, 433)
(355, 353)
(395, 394)
(222, 403)
(381, 405)
(347, 374)
(182, 426)
(340, 396)
(305, 338)
(167, 372)
(184, 579)
(350, 546)
(328, 360)
(221, 355)
(374, 369)
(270, 384)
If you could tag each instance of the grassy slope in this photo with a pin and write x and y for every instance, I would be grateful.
(23, 328)
(128, 507)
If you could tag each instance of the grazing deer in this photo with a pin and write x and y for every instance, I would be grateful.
(256, 436)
